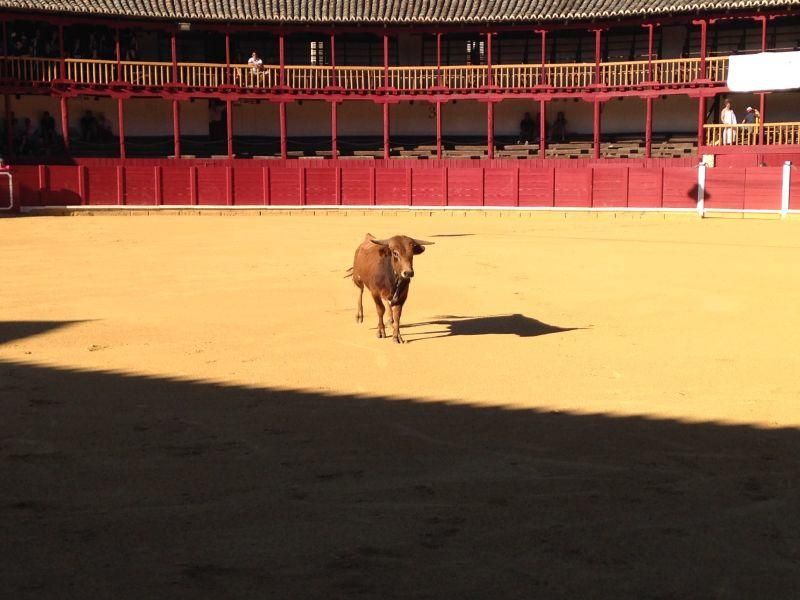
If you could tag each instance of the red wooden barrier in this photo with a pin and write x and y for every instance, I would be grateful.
(499, 183)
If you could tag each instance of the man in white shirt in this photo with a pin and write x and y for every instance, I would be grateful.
(728, 117)
(255, 63)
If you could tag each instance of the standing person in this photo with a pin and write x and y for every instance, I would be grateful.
(751, 117)
(525, 129)
(255, 63)
(728, 117)
(47, 129)
(559, 129)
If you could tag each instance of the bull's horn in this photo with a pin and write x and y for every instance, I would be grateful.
(423, 242)
(380, 242)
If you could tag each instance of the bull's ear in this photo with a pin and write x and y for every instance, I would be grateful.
(418, 249)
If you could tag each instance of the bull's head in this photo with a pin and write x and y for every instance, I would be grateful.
(402, 249)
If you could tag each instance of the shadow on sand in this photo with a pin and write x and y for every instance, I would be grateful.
(514, 324)
(117, 485)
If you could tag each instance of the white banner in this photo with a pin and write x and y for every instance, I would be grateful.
(764, 72)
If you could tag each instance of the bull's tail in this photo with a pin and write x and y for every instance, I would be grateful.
(349, 273)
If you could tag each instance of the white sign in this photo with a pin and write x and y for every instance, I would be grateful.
(764, 72)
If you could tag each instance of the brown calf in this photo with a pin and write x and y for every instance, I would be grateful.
(385, 268)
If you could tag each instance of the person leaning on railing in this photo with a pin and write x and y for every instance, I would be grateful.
(751, 117)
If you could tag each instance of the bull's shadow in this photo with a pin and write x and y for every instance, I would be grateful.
(513, 324)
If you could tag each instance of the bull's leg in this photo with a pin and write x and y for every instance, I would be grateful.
(360, 305)
(397, 310)
(380, 310)
(389, 311)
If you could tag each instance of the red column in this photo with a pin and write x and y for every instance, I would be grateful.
(118, 55)
(282, 117)
(438, 129)
(648, 128)
(543, 74)
(597, 51)
(176, 128)
(703, 42)
(174, 49)
(62, 64)
(701, 119)
(386, 60)
(121, 128)
(489, 78)
(228, 78)
(9, 127)
(386, 148)
(596, 129)
(649, 27)
(65, 120)
(763, 20)
(542, 128)
(282, 60)
(334, 82)
(438, 59)
(229, 125)
(334, 132)
(761, 107)
(490, 129)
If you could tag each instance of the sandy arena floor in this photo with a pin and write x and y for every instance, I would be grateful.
(586, 408)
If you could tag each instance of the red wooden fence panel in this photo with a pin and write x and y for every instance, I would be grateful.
(62, 186)
(140, 185)
(26, 185)
(645, 187)
(762, 190)
(391, 186)
(610, 187)
(248, 186)
(356, 186)
(464, 186)
(573, 187)
(176, 185)
(724, 188)
(501, 187)
(321, 186)
(536, 187)
(211, 186)
(428, 187)
(285, 186)
(680, 187)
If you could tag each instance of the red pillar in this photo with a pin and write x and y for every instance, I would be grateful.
(386, 148)
(174, 49)
(65, 121)
(703, 43)
(543, 74)
(386, 60)
(701, 119)
(542, 128)
(121, 128)
(597, 51)
(334, 81)
(761, 108)
(118, 54)
(229, 126)
(438, 129)
(490, 129)
(438, 59)
(176, 128)
(648, 128)
(282, 117)
(763, 20)
(228, 78)
(596, 129)
(62, 63)
(334, 132)
(649, 27)
(9, 127)
(489, 78)
(281, 60)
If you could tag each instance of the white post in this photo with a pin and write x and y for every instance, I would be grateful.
(785, 187)
(701, 189)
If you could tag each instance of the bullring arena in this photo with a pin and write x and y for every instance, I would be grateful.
(597, 396)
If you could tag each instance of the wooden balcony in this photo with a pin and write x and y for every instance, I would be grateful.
(775, 134)
(311, 79)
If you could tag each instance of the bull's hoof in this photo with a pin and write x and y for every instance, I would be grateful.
(381, 334)
(359, 318)
(399, 340)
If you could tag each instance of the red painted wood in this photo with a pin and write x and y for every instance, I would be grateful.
(645, 187)
(610, 187)
(356, 186)
(229, 126)
(501, 187)
(139, 186)
(386, 146)
(321, 186)
(724, 188)
(175, 185)
(680, 187)
(212, 185)
(64, 120)
(26, 184)
(762, 189)
(794, 189)
(157, 197)
(121, 127)
(62, 187)
(282, 122)
(464, 186)
(334, 129)
(390, 186)
(542, 128)
(438, 130)
(490, 128)
(285, 188)
(247, 185)
(648, 126)
(428, 187)
(701, 120)
(537, 187)
(596, 129)
(176, 128)
(573, 187)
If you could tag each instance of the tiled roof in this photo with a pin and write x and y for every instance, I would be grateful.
(386, 11)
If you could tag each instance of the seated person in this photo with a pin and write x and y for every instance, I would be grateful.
(558, 131)
(526, 127)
